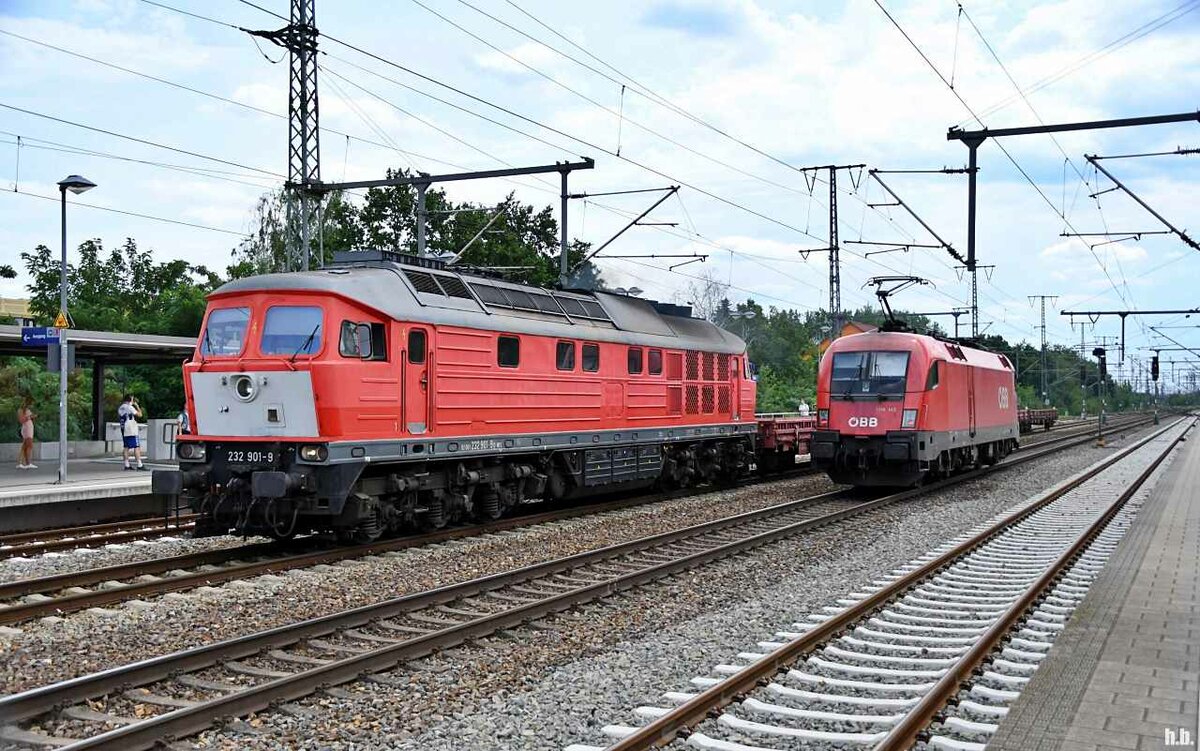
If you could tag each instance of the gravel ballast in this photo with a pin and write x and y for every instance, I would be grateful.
(54, 648)
(83, 559)
(558, 681)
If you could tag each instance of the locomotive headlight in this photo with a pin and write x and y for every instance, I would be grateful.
(314, 453)
(191, 451)
(244, 388)
(822, 418)
(908, 419)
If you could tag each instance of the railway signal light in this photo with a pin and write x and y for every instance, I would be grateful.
(1100, 356)
(1154, 367)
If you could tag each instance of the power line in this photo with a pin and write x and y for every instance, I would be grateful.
(604, 107)
(211, 95)
(531, 121)
(1116, 44)
(1003, 150)
(142, 141)
(30, 142)
(557, 131)
(110, 209)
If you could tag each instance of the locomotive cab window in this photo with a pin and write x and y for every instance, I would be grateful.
(874, 374)
(591, 357)
(564, 356)
(365, 341)
(508, 352)
(416, 346)
(635, 360)
(654, 362)
(225, 332)
(931, 381)
(292, 330)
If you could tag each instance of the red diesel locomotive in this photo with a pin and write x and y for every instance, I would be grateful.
(391, 392)
(895, 407)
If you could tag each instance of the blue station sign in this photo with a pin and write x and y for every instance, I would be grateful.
(39, 336)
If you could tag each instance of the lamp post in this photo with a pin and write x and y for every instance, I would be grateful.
(743, 316)
(76, 184)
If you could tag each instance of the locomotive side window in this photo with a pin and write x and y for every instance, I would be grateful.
(508, 352)
(591, 357)
(225, 332)
(635, 360)
(564, 356)
(292, 330)
(931, 381)
(366, 341)
(416, 346)
(654, 366)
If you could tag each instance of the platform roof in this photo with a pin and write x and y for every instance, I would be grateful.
(112, 347)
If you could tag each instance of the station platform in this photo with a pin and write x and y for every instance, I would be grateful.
(1125, 672)
(96, 490)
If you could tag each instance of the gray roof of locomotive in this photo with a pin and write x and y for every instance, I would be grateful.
(404, 292)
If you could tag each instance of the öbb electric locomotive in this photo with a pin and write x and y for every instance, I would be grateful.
(896, 407)
(390, 392)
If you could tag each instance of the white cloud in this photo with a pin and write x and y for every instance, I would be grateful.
(533, 55)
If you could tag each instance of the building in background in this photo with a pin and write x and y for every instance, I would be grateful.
(16, 310)
(849, 329)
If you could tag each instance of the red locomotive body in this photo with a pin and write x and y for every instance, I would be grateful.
(893, 407)
(393, 392)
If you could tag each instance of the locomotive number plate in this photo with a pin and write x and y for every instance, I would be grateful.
(250, 457)
(258, 455)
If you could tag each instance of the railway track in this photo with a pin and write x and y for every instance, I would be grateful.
(95, 535)
(92, 535)
(935, 652)
(139, 705)
(71, 592)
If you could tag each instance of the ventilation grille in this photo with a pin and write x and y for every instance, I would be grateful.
(706, 399)
(454, 287)
(723, 405)
(492, 296)
(709, 363)
(691, 402)
(538, 302)
(423, 282)
(722, 367)
(693, 366)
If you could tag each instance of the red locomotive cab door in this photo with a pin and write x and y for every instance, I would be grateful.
(416, 381)
(971, 402)
(735, 385)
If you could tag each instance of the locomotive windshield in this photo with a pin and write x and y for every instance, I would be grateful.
(225, 332)
(292, 330)
(869, 373)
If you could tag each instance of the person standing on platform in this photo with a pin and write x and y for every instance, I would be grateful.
(25, 422)
(128, 413)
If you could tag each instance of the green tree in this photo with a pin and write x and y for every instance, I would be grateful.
(123, 290)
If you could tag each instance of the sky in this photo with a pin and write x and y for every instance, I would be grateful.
(185, 122)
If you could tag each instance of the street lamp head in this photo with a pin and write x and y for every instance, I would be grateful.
(76, 184)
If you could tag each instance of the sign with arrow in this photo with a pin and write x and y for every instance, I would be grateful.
(39, 336)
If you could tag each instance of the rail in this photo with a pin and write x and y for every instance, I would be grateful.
(668, 726)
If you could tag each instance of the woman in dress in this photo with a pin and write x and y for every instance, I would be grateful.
(25, 420)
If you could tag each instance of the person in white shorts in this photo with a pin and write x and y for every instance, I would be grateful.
(128, 413)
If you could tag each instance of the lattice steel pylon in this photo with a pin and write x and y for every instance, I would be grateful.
(304, 134)
(835, 262)
(299, 38)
